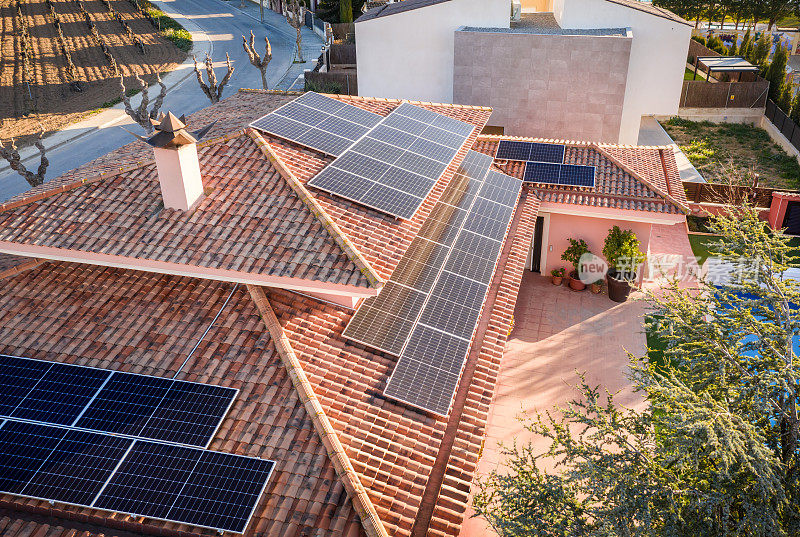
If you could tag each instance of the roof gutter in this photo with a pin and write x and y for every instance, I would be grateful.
(327, 222)
(341, 462)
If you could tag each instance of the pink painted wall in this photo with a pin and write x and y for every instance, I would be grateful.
(592, 230)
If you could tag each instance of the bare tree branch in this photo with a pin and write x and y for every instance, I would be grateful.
(294, 17)
(11, 154)
(212, 90)
(257, 61)
(141, 114)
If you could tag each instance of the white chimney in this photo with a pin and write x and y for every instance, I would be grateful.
(177, 163)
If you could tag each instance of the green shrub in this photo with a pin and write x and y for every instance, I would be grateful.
(577, 247)
(622, 250)
(700, 39)
(170, 29)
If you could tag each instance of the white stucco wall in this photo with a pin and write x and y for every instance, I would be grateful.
(409, 55)
(657, 61)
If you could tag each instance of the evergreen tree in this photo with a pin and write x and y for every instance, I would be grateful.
(345, 11)
(715, 451)
(795, 113)
(784, 101)
(745, 49)
(761, 50)
(776, 73)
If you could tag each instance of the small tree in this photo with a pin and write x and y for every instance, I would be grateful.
(345, 10)
(257, 61)
(795, 112)
(11, 154)
(294, 16)
(622, 250)
(715, 452)
(576, 249)
(213, 90)
(141, 115)
(784, 101)
(760, 52)
(776, 72)
(745, 49)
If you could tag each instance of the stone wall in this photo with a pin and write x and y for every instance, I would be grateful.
(544, 85)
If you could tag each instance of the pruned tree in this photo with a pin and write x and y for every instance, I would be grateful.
(11, 154)
(294, 16)
(212, 90)
(141, 115)
(257, 61)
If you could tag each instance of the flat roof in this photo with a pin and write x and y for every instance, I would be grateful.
(727, 63)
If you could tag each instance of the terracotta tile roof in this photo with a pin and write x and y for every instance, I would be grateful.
(628, 177)
(149, 323)
(251, 223)
(8, 261)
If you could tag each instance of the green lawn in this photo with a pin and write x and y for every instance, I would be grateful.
(689, 75)
(716, 148)
(700, 244)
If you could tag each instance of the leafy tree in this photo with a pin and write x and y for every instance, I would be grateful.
(745, 49)
(715, 451)
(345, 11)
(331, 10)
(776, 72)
(761, 50)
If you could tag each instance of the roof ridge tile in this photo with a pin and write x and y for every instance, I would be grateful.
(316, 209)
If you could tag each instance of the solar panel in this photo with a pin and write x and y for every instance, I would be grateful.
(530, 151)
(449, 265)
(183, 484)
(560, 174)
(396, 164)
(61, 394)
(202, 488)
(318, 122)
(108, 401)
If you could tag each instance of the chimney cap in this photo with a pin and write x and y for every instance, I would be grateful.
(171, 132)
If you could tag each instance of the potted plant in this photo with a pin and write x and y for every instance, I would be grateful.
(557, 275)
(623, 255)
(596, 287)
(577, 248)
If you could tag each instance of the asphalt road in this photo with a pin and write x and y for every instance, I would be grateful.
(223, 24)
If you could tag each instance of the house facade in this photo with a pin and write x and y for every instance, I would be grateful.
(574, 69)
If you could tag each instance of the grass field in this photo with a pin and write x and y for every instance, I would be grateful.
(715, 147)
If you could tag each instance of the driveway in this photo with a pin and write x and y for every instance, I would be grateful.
(215, 25)
(556, 332)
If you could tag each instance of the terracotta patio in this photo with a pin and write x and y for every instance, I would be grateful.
(557, 331)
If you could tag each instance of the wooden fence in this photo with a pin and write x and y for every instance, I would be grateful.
(344, 82)
(702, 94)
(722, 193)
(342, 54)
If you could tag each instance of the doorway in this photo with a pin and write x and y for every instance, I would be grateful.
(536, 252)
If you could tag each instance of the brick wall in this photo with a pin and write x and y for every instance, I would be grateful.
(552, 86)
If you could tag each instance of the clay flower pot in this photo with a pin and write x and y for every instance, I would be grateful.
(596, 287)
(557, 279)
(575, 283)
(619, 285)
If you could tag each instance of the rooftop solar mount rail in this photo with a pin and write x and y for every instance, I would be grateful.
(167, 482)
(318, 122)
(427, 312)
(129, 404)
(397, 163)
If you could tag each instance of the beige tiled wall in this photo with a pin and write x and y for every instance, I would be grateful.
(553, 86)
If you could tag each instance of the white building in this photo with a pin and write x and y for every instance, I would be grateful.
(579, 69)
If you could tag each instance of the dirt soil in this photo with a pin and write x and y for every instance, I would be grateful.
(51, 103)
(716, 149)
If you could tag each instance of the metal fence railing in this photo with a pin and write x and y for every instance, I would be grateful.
(783, 123)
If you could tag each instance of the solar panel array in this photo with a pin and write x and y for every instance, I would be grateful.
(319, 122)
(544, 163)
(110, 401)
(428, 311)
(560, 174)
(396, 164)
(137, 477)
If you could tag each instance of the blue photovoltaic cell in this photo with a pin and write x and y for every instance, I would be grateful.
(61, 394)
(530, 151)
(189, 413)
(540, 172)
(573, 175)
(77, 469)
(222, 491)
(125, 404)
(23, 449)
(149, 480)
(18, 376)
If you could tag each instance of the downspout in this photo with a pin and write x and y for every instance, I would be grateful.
(341, 462)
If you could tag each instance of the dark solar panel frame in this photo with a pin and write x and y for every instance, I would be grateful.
(530, 151)
(318, 122)
(202, 473)
(91, 418)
